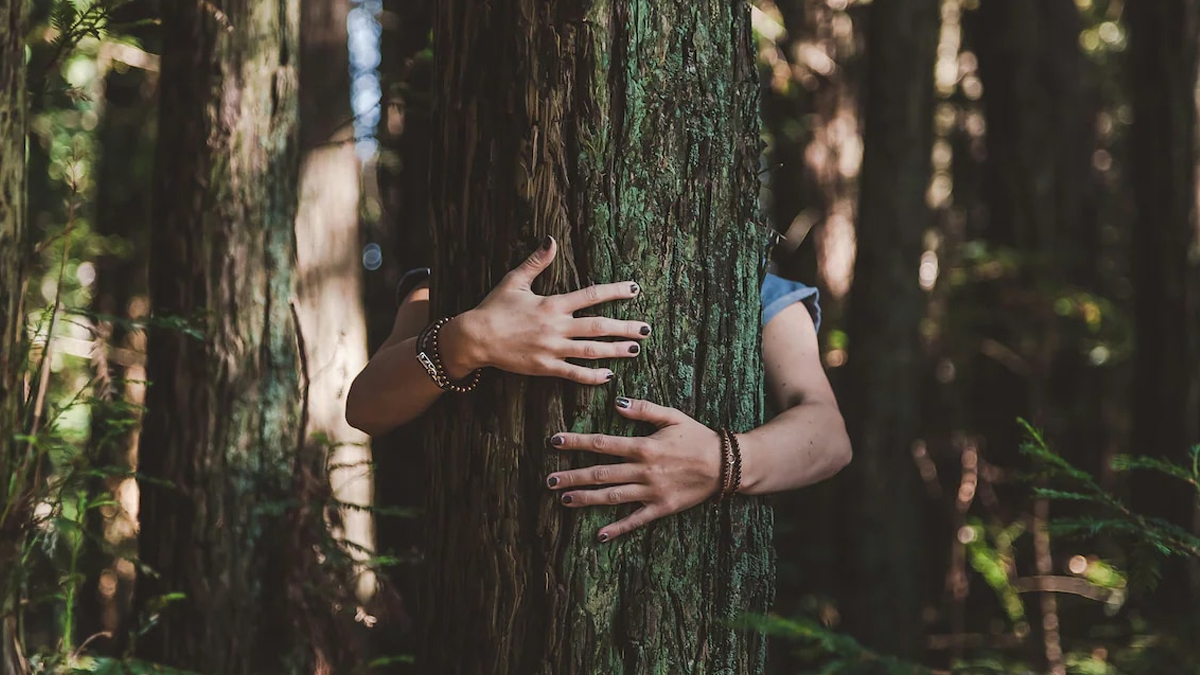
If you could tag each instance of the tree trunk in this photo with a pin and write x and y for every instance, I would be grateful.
(122, 217)
(405, 232)
(13, 250)
(1166, 290)
(329, 278)
(886, 307)
(630, 133)
(224, 408)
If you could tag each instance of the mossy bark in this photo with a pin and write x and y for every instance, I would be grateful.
(13, 249)
(629, 131)
(224, 407)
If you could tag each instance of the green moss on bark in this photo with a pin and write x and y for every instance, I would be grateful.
(629, 131)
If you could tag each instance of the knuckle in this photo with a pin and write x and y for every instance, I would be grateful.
(601, 474)
(599, 443)
(591, 351)
(616, 497)
(591, 293)
(595, 326)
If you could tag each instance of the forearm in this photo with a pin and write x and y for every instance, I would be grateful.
(394, 388)
(803, 445)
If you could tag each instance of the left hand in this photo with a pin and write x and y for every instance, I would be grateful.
(670, 471)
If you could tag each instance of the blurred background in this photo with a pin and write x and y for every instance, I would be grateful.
(1051, 274)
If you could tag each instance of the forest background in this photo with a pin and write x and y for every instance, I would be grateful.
(1048, 271)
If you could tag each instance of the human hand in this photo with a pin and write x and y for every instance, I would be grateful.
(515, 329)
(676, 468)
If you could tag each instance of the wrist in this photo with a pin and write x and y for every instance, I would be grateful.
(461, 349)
(751, 476)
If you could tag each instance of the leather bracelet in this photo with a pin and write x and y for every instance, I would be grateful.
(430, 357)
(731, 466)
(726, 451)
(736, 484)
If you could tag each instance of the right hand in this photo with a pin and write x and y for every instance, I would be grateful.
(515, 329)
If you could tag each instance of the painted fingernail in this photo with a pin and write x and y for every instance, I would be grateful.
(567, 499)
(603, 537)
(557, 439)
(633, 349)
(645, 330)
(546, 243)
(634, 288)
(608, 376)
(552, 481)
(622, 402)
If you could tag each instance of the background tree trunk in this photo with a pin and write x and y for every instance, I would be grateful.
(225, 408)
(122, 217)
(1165, 273)
(884, 560)
(630, 133)
(329, 297)
(13, 251)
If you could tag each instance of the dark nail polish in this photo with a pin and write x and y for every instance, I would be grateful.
(645, 330)
(634, 288)
(567, 499)
(552, 481)
(557, 439)
(546, 243)
(633, 349)
(622, 402)
(603, 537)
(609, 376)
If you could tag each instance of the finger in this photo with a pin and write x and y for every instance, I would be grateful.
(602, 326)
(658, 415)
(617, 446)
(594, 295)
(590, 349)
(609, 496)
(633, 521)
(601, 474)
(537, 261)
(580, 374)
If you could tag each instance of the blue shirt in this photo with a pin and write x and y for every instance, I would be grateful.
(777, 294)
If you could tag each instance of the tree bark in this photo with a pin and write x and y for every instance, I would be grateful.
(13, 251)
(1165, 274)
(883, 566)
(629, 131)
(225, 411)
(122, 217)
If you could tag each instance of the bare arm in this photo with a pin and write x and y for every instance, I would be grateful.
(678, 466)
(513, 329)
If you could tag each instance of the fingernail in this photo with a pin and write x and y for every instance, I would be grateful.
(567, 499)
(634, 288)
(546, 243)
(557, 439)
(622, 402)
(633, 349)
(609, 376)
(645, 330)
(603, 537)
(552, 481)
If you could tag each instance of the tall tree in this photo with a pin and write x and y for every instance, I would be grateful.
(13, 243)
(224, 408)
(629, 131)
(886, 306)
(122, 217)
(329, 297)
(1166, 282)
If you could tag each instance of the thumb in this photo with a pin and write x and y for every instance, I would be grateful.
(537, 261)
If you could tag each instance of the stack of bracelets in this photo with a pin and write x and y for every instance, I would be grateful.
(431, 358)
(731, 465)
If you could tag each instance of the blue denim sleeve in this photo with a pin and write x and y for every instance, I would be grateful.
(779, 293)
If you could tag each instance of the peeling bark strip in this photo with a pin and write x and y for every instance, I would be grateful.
(225, 411)
(628, 130)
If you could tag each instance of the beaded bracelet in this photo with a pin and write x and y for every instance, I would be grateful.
(431, 359)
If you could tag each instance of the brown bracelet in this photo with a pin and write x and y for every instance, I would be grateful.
(731, 465)
(430, 358)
